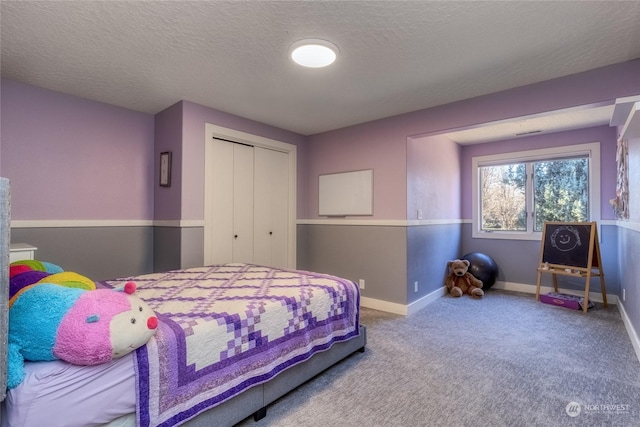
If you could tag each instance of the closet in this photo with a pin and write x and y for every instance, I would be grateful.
(247, 206)
(270, 200)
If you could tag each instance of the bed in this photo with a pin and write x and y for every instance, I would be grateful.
(231, 339)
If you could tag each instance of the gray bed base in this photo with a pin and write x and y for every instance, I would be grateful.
(254, 401)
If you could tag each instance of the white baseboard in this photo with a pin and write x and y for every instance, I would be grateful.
(389, 307)
(633, 336)
(426, 300)
(405, 310)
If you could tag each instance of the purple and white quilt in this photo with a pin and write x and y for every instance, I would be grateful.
(225, 328)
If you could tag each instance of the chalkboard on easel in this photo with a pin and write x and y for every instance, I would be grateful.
(570, 244)
(571, 249)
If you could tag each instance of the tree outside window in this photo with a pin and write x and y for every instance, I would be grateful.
(503, 197)
(558, 191)
(561, 191)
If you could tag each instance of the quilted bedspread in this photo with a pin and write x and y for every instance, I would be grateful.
(226, 328)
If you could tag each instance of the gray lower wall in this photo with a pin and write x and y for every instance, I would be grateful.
(302, 239)
(376, 254)
(429, 248)
(389, 258)
(192, 243)
(98, 253)
(166, 248)
(629, 244)
(102, 253)
(177, 247)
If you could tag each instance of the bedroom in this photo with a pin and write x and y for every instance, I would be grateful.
(105, 203)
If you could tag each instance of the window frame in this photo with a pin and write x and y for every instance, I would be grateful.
(591, 150)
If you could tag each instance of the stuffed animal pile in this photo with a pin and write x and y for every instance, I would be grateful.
(55, 314)
(459, 281)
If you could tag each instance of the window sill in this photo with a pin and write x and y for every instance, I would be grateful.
(515, 235)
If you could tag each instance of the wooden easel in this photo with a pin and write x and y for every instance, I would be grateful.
(564, 251)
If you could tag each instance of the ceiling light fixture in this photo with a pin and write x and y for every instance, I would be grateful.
(313, 53)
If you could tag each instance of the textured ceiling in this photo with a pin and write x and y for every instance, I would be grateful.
(395, 56)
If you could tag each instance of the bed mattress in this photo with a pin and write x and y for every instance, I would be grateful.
(58, 393)
(223, 329)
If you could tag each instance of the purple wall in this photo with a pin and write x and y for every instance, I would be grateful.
(168, 137)
(433, 178)
(70, 158)
(376, 145)
(604, 134)
(104, 157)
(382, 144)
(634, 183)
(194, 117)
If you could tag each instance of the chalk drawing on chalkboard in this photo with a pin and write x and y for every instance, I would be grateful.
(565, 238)
(568, 243)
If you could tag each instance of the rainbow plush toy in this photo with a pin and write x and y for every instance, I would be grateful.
(72, 321)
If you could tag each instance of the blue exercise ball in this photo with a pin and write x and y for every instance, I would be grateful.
(483, 268)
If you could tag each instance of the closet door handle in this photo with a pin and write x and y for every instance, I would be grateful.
(271, 233)
(235, 236)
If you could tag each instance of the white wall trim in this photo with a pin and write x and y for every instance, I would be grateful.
(634, 226)
(62, 223)
(80, 223)
(633, 336)
(413, 222)
(342, 221)
(98, 223)
(378, 222)
(179, 223)
(419, 222)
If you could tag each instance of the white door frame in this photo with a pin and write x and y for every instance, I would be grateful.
(257, 141)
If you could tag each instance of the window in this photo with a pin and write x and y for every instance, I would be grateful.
(515, 193)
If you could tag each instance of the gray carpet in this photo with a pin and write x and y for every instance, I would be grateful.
(504, 360)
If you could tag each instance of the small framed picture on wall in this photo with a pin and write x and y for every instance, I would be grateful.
(165, 169)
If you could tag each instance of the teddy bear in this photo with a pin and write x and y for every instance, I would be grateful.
(49, 321)
(459, 281)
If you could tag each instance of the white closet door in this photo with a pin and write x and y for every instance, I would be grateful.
(231, 209)
(221, 205)
(242, 184)
(271, 208)
(250, 192)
